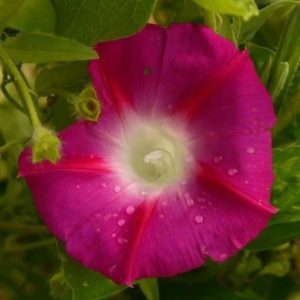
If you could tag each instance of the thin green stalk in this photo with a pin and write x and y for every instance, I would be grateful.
(22, 87)
(9, 97)
(31, 246)
(287, 116)
(287, 49)
(11, 143)
(24, 228)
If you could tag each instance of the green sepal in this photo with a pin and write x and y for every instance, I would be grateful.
(87, 106)
(46, 146)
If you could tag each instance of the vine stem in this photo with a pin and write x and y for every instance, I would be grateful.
(11, 143)
(288, 115)
(22, 87)
(25, 228)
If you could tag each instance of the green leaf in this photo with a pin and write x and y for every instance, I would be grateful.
(250, 28)
(285, 225)
(259, 55)
(276, 235)
(39, 47)
(242, 8)
(286, 190)
(278, 268)
(43, 12)
(99, 20)
(288, 52)
(7, 9)
(279, 79)
(62, 77)
(150, 288)
(86, 284)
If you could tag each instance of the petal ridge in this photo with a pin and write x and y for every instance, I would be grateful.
(208, 174)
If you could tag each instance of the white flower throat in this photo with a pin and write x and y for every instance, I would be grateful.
(155, 154)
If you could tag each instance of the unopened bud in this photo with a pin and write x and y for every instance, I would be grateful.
(87, 106)
(46, 146)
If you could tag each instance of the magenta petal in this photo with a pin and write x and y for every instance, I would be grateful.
(147, 69)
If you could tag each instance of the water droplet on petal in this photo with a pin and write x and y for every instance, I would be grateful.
(121, 222)
(117, 189)
(199, 219)
(130, 210)
(161, 216)
(78, 186)
(112, 268)
(250, 150)
(246, 181)
(223, 256)
(144, 193)
(237, 243)
(122, 241)
(113, 235)
(189, 158)
(232, 172)
(217, 159)
(201, 199)
(104, 184)
(189, 200)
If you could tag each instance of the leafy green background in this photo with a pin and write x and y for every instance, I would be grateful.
(49, 41)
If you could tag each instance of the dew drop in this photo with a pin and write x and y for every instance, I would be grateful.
(223, 256)
(78, 186)
(250, 150)
(199, 219)
(161, 216)
(130, 210)
(189, 158)
(246, 181)
(189, 200)
(144, 193)
(112, 269)
(113, 235)
(85, 284)
(121, 222)
(217, 159)
(232, 172)
(201, 199)
(237, 243)
(117, 189)
(122, 241)
(204, 250)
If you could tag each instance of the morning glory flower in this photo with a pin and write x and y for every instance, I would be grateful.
(178, 168)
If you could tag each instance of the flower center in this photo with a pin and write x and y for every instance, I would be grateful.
(159, 166)
(156, 154)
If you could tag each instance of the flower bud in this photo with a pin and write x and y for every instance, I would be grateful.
(87, 106)
(46, 146)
